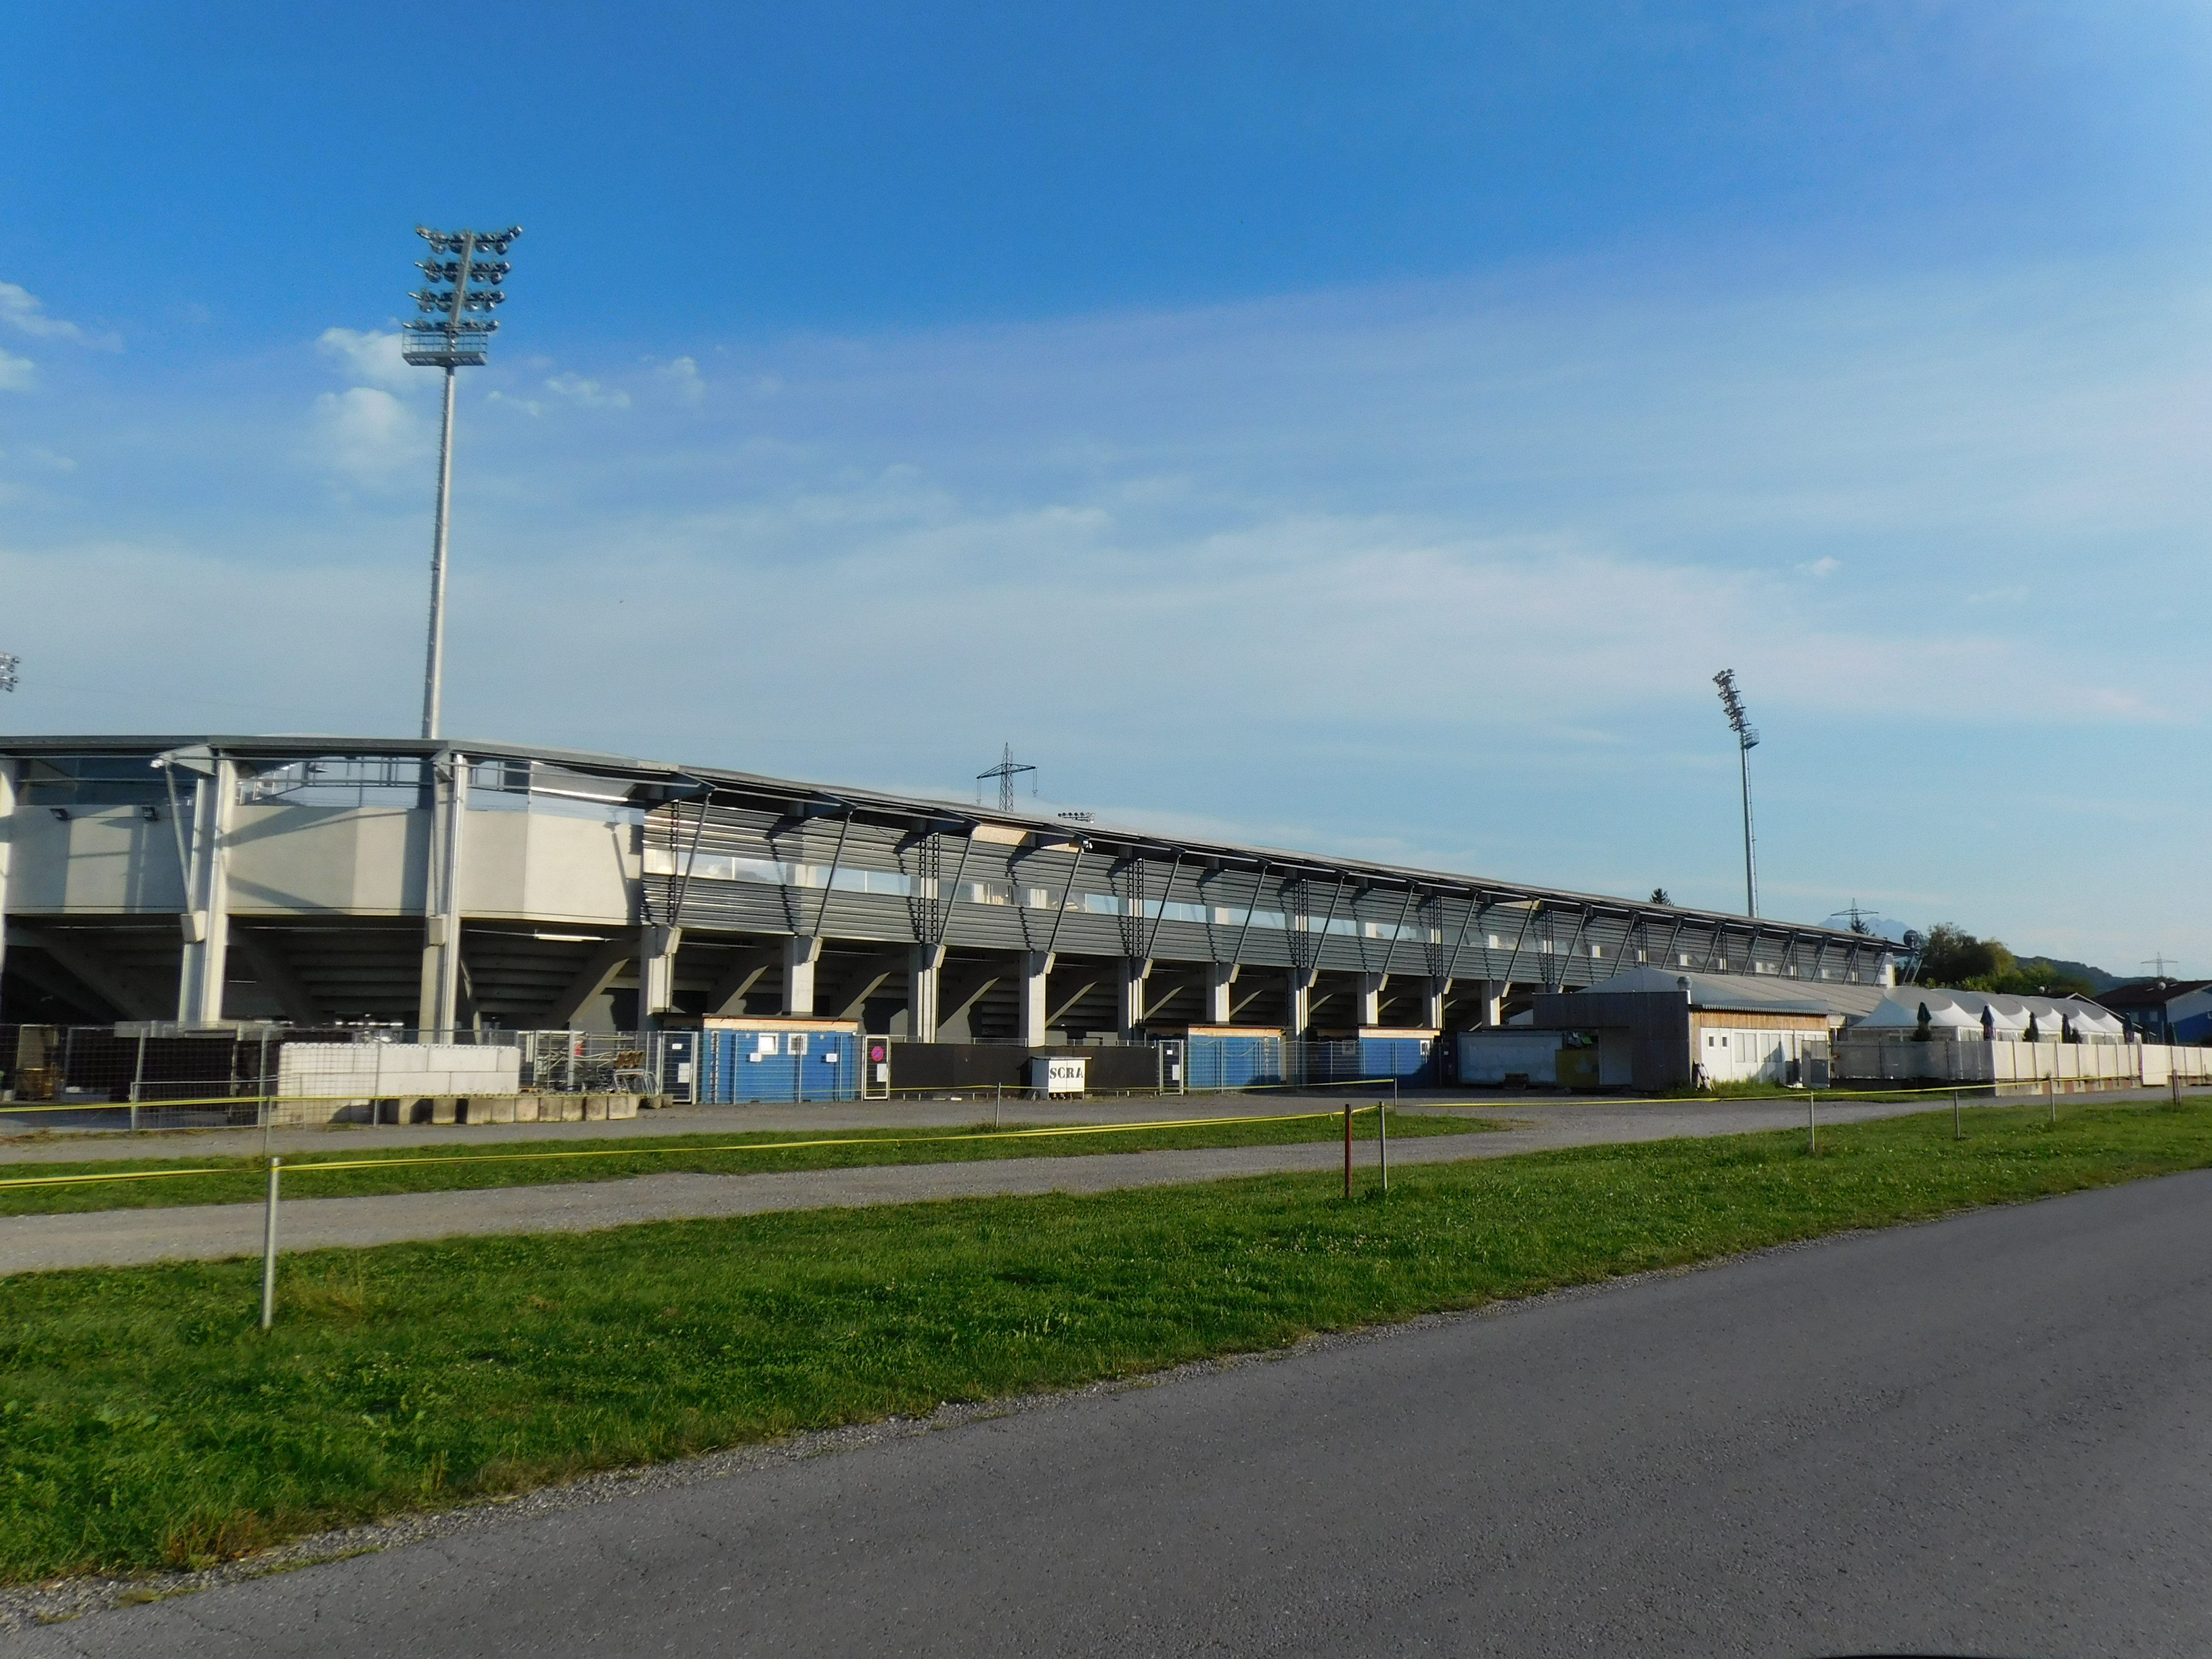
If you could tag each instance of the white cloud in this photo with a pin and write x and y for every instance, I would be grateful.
(589, 393)
(1457, 562)
(366, 434)
(371, 359)
(25, 313)
(17, 374)
(681, 377)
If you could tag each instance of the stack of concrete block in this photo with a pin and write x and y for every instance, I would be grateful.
(342, 1082)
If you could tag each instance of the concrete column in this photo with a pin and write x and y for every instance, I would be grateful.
(1433, 1001)
(802, 954)
(440, 1005)
(1300, 1015)
(1220, 977)
(924, 963)
(656, 973)
(1130, 1017)
(1490, 1000)
(1037, 970)
(207, 896)
(6, 813)
(1370, 1001)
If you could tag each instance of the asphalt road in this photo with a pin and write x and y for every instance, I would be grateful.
(1991, 1435)
(115, 1238)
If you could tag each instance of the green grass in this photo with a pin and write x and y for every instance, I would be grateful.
(144, 1422)
(241, 1180)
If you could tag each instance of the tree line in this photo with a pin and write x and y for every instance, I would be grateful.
(1954, 959)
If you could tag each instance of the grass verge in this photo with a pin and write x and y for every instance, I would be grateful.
(429, 1169)
(144, 1422)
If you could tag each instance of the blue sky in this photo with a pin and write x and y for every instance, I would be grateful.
(1287, 422)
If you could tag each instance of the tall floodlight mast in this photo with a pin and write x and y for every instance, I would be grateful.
(1746, 739)
(461, 280)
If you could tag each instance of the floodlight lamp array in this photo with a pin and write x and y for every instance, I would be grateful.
(10, 662)
(1746, 734)
(446, 337)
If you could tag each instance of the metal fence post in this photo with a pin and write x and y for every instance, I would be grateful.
(1382, 1141)
(1957, 1129)
(137, 1081)
(2050, 1094)
(269, 1251)
(1347, 1149)
(1813, 1124)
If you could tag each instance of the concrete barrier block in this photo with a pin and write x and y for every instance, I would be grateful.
(622, 1105)
(559, 1109)
(526, 1109)
(595, 1108)
(444, 1109)
(491, 1108)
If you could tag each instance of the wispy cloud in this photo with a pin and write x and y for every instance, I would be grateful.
(367, 435)
(683, 380)
(590, 394)
(1443, 568)
(17, 374)
(23, 311)
(371, 359)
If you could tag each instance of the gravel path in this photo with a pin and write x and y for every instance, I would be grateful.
(20, 1143)
(212, 1231)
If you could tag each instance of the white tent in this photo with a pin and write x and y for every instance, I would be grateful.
(1962, 1016)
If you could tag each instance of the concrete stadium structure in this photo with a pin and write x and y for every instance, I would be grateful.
(449, 885)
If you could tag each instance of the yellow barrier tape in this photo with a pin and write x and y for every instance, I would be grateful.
(124, 1174)
(678, 1151)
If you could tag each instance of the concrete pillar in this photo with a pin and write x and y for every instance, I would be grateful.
(1370, 1001)
(1130, 1017)
(439, 1003)
(802, 953)
(1029, 997)
(1433, 1001)
(924, 963)
(7, 813)
(1220, 978)
(1490, 1000)
(1300, 1014)
(207, 896)
(656, 973)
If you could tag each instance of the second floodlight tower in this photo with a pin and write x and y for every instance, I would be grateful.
(1746, 739)
(464, 272)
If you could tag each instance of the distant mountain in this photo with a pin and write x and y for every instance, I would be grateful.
(2099, 980)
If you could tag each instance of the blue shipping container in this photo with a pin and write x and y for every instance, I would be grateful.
(777, 1066)
(1410, 1059)
(1214, 1061)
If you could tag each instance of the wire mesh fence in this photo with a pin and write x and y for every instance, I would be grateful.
(150, 1075)
(156, 1076)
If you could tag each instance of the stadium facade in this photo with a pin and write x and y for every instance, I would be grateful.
(449, 885)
